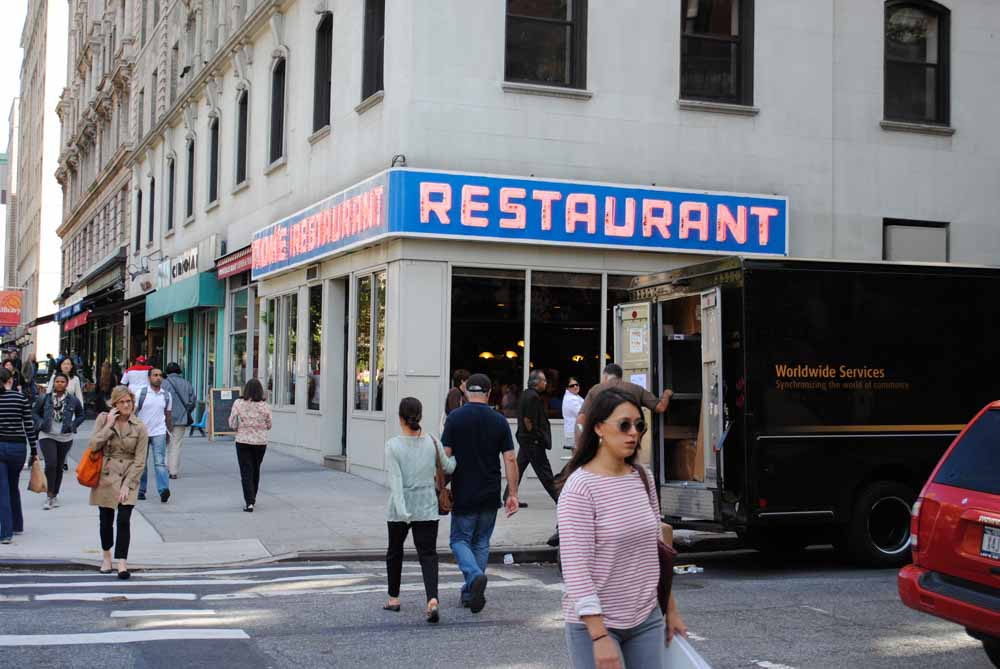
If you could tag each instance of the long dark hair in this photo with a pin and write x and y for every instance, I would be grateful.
(253, 391)
(72, 369)
(411, 411)
(5, 376)
(604, 405)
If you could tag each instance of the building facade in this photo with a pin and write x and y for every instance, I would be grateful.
(10, 218)
(868, 121)
(37, 270)
(96, 142)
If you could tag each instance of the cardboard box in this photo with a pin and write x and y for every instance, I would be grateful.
(687, 315)
(682, 460)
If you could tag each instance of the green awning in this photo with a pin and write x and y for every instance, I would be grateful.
(203, 290)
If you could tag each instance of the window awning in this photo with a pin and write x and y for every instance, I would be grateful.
(76, 321)
(234, 263)
(203, 290)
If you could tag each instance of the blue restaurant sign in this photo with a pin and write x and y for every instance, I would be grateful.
(68, 312)
(449, 205)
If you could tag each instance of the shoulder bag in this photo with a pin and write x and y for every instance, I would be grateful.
(36, 481)
(88, 470)
(666, 554)
(445, 501)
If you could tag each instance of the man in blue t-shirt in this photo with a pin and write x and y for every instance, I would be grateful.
(478, 436)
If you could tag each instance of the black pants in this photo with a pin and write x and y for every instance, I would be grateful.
(55, 453)
(250, 456)
(425, 534)
(123, 527)
(538, 458)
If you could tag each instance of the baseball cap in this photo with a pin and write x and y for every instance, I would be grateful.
(141, 359)
(478, 383)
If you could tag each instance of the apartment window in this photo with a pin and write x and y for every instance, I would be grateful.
(142, 23)
(369, 343)
(152, 210)
(915, 241)
(547, 42)
(213, 160)
(315, 345)
(171, 190)
(174, 60)
(189, 197)
(142, 114)
(916, 62)
(717, 50)
(156, 12)
(138, 222)
(152, 98)
(242, 127)
(322, 75)
(282, 317)
(277, 145)
(374, 48)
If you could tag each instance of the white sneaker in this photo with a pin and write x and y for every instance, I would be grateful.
(55, 502)
(48, 504)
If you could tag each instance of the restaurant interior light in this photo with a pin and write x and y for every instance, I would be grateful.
(486, 355)
(577, 358)
(521, 343)
(511, 355)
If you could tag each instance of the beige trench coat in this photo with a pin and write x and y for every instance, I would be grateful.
(124, 459)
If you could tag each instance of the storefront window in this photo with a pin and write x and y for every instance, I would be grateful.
(210, 348)
(487, 330)
(315, 344)
(238, 334)
(362, 346)
(271, 318)
(565, 332)
(379, 346)
(290, 308)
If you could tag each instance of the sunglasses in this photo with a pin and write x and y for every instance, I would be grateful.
(573, 385)
(625, 426)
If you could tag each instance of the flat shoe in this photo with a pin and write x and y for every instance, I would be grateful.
(433, 616)
(124, 575)
(105, 571)
(391, 607)
(477, 593)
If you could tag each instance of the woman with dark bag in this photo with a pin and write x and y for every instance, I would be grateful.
(251, 418)
(124, 442)
(17, 436)
(58, 416)
(412, 461)
(609, 525)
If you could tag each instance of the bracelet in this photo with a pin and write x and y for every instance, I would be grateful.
(598, 638)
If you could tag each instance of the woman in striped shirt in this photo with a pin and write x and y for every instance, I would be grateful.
(609, 524)
(17, 435)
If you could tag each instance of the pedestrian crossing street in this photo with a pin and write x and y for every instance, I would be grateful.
(202, 604)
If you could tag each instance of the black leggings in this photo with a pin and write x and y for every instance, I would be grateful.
(250, 456)
(425, 538)
(55, 453)
(124, 532)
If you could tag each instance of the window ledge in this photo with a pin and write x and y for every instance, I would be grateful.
(320, 134)
(149, 244)
(214, 204)
(548, 91)
(241, 186)
(189, 220)
(369, 102)
(717, 107)
(276, 165)
(919, 128)
(168, 234)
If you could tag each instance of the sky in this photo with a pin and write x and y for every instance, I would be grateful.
(10, 58)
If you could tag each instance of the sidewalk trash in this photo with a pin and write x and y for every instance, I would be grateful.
(508, 558)
(680, 655)
(687, 569)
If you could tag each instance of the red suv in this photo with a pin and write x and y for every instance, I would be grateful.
(955, 535)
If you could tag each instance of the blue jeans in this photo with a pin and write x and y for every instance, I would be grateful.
(158, 447)
(12, 457)
(470, 542)
(641, 646)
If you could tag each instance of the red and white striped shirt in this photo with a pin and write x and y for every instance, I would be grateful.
(608, 529)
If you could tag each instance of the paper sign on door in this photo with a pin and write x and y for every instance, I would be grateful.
(635, 343)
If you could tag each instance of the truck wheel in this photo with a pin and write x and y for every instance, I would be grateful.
(992, 648)
(878, 533)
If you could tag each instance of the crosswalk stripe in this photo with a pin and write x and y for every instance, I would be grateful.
(113, 596)
(182, 582)
(151, 613)
(364, 589)
(120, 637)
(172, 574)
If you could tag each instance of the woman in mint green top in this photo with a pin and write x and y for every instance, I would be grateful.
(411, 461)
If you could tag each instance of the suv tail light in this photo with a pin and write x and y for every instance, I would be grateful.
(915, 525)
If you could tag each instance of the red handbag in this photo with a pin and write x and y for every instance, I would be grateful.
(88, 471)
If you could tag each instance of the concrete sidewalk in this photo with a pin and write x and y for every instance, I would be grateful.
(302, 509)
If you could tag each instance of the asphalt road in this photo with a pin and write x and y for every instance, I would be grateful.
(743, 611)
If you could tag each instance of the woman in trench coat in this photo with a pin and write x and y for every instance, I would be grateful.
(123, 439)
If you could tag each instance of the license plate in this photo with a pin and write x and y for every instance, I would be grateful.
(991, 543)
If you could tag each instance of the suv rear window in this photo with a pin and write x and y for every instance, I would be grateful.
(974, 462)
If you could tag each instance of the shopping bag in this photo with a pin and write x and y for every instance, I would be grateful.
(88, 471)
(37, 481)
(680, 655)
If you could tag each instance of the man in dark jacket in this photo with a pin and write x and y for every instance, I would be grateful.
(534, 435)
(183, 401)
